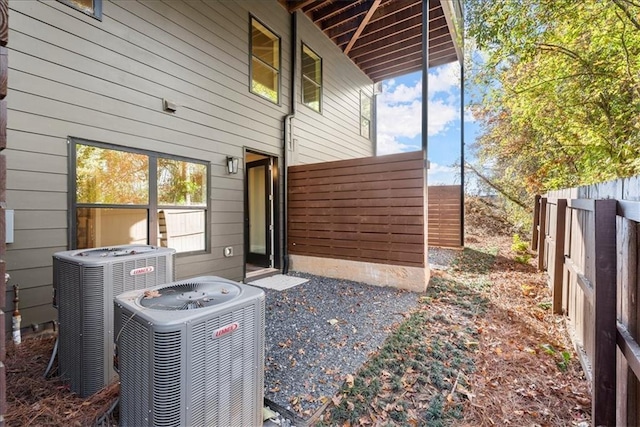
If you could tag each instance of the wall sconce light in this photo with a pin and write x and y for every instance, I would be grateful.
(232, 165)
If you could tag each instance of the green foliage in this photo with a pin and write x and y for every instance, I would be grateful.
(564, 357)
(111, 176)
(563, 364)
(521, 248)
(545, 305)
(519, 245)
(522, 259)
(558, 91)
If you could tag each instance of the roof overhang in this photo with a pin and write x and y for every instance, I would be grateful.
(384, 37)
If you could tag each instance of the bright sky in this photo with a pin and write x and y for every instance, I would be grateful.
(400, 120)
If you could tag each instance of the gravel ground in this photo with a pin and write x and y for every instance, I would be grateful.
(441, 259)
(322, 330)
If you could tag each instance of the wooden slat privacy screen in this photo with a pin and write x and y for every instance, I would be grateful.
(369, 209)
(444, 216)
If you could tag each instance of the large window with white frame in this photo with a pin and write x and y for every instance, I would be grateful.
(265, 62)
(126, 196)
(365, 115)
(311, 79)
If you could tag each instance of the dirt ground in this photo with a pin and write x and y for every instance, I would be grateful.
(518, 366)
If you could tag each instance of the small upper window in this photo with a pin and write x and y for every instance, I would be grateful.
(90, 7)
(365, 115)
(265, 62)
(311, 78)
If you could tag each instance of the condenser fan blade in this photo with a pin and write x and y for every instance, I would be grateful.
(190, 296)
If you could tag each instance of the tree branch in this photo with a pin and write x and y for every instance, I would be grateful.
(625, 9)
(495, 186)
(570, 76)
(564, 50)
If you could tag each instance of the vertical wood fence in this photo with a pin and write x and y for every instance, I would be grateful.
(587, 241)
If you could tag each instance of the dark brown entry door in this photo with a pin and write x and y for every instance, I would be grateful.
(258, 221)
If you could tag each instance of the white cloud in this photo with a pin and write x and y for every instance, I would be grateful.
(443, 175)
(444, 78)
(389, 145)
(400, 108)
(400, 94)
(399, 120)
(441, 116)
(468, 115)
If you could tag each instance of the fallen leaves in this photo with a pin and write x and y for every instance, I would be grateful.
(517, 380)
(349, 380)
(151, 294)
(285, 344)
(34, 400)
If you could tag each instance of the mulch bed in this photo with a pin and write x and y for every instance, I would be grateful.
(527, 372)
(33, 400)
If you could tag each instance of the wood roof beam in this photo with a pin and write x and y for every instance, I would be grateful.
(293, 6)
(408, 47)
(394, 25)
(382, 73)
(333, 13)
(395, 41)
(404, 55)
(362, 25)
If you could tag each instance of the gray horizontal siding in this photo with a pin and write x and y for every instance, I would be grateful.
(72, 75)
(333, 134)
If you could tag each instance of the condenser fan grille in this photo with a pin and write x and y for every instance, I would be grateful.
(116, 251)
(190, 296)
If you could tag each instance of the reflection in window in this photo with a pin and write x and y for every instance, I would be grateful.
(181, 183)
(311, 78)
(90, 7)
(98, 227)
(117, 203)
(365, 115)
(182, 229)
(265, 62)
(111, 177)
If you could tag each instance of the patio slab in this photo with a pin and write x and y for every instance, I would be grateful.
(319, 332)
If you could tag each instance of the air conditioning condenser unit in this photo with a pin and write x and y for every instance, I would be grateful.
(191, 353)
(85, 283)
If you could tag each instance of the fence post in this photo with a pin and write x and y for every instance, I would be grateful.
(543, 233)
(558, 255)
(536, 222)
(604, 308)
